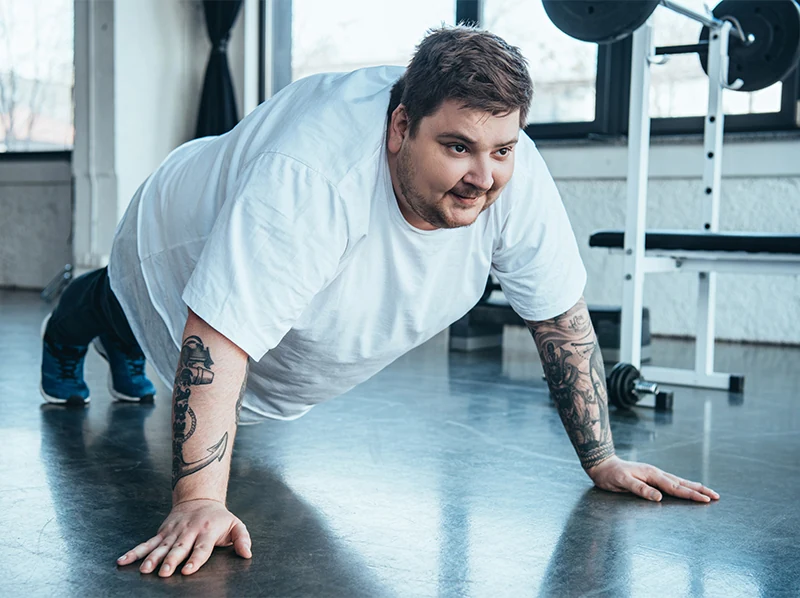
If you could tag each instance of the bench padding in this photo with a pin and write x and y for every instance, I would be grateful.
(675, 240)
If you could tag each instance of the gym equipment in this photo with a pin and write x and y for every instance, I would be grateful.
(763, 38)
(599, 21)
(764, 42)
(626, 388)
(774, 50)
(707, 251)
(57, 284)
(483, 326)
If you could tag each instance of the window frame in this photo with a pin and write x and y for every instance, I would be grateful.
(612, 105)
(49, 155)
(57, 155)
(758, 122)
(612, 85)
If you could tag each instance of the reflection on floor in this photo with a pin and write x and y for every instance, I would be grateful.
(445, 475)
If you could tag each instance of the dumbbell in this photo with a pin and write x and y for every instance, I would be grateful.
(626, 388)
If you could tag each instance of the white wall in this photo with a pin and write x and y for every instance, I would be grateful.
(35, 221)
(760, 192)
(161, 51)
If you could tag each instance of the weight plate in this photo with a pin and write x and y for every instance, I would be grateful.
(776, 50)
(620, 383)
(599, 21)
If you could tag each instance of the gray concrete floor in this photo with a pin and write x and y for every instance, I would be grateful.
(445, 475)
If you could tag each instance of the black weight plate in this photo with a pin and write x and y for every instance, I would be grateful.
(615, 385)
(776, 50)
(599, 21)
(620, 384)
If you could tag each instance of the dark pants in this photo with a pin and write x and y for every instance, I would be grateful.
(88, 308)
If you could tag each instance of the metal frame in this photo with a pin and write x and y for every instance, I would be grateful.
(274, 47)
(636, 208)
(656, 261)
(469, 11)
(784, 119)
(638, 262)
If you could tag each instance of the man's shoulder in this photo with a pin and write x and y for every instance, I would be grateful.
(330, 122)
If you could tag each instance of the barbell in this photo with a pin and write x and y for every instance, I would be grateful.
(764, 46)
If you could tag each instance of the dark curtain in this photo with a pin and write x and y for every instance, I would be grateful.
(218, 104)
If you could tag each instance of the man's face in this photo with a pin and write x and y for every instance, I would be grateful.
(454, 167)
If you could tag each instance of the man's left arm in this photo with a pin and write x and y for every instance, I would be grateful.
(574, 370)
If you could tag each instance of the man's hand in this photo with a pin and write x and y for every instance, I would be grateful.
(199, 524)
(616, 475)
(205, 415)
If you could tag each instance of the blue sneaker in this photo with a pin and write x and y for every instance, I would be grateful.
(127, 380)
(62, 372)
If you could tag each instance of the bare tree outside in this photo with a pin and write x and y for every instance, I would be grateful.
(36, 75)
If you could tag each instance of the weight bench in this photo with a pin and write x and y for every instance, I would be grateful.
(705, 251)
(687, 244)
(701, 252)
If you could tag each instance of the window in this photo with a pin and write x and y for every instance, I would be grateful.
(680, 87)
(581, 89)
(36, 75)
(679, 94)
(351, 34)
(563, 69)
(573, 94)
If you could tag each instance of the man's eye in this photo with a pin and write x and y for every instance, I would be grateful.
(504, 151)
(458, 148)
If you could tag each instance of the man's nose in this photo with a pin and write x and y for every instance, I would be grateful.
(480, 175)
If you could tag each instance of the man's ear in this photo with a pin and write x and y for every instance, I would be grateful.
(398, 129)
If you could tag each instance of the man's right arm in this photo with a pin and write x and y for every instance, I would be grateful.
(209, 387)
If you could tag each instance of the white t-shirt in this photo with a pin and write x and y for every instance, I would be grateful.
(285, 236)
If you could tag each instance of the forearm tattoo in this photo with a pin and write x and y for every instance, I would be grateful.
(194, 369)
(573, 367)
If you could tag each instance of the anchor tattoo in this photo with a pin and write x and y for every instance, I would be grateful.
(194, 369)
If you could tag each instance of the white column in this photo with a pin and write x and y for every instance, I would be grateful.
(636, 208)
(712, 176)
(251, 58)
(94, 176)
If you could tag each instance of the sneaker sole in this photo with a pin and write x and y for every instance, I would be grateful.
(98, 346)
(56, 400)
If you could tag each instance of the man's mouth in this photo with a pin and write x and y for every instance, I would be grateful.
(467, 199)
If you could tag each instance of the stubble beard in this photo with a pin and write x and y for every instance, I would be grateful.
(432, 214)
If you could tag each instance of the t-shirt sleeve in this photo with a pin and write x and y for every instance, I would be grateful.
(536, 258)
(275, 244)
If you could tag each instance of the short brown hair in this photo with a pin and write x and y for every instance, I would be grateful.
(466, 64)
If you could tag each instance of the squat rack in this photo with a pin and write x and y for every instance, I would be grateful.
(705, 261)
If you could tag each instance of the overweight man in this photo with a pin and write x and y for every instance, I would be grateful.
(342, 223)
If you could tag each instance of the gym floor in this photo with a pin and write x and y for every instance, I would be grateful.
(445, 475)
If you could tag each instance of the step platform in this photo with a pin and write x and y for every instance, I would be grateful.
(482, 327)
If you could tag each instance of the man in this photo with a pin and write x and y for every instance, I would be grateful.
(318, 241)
